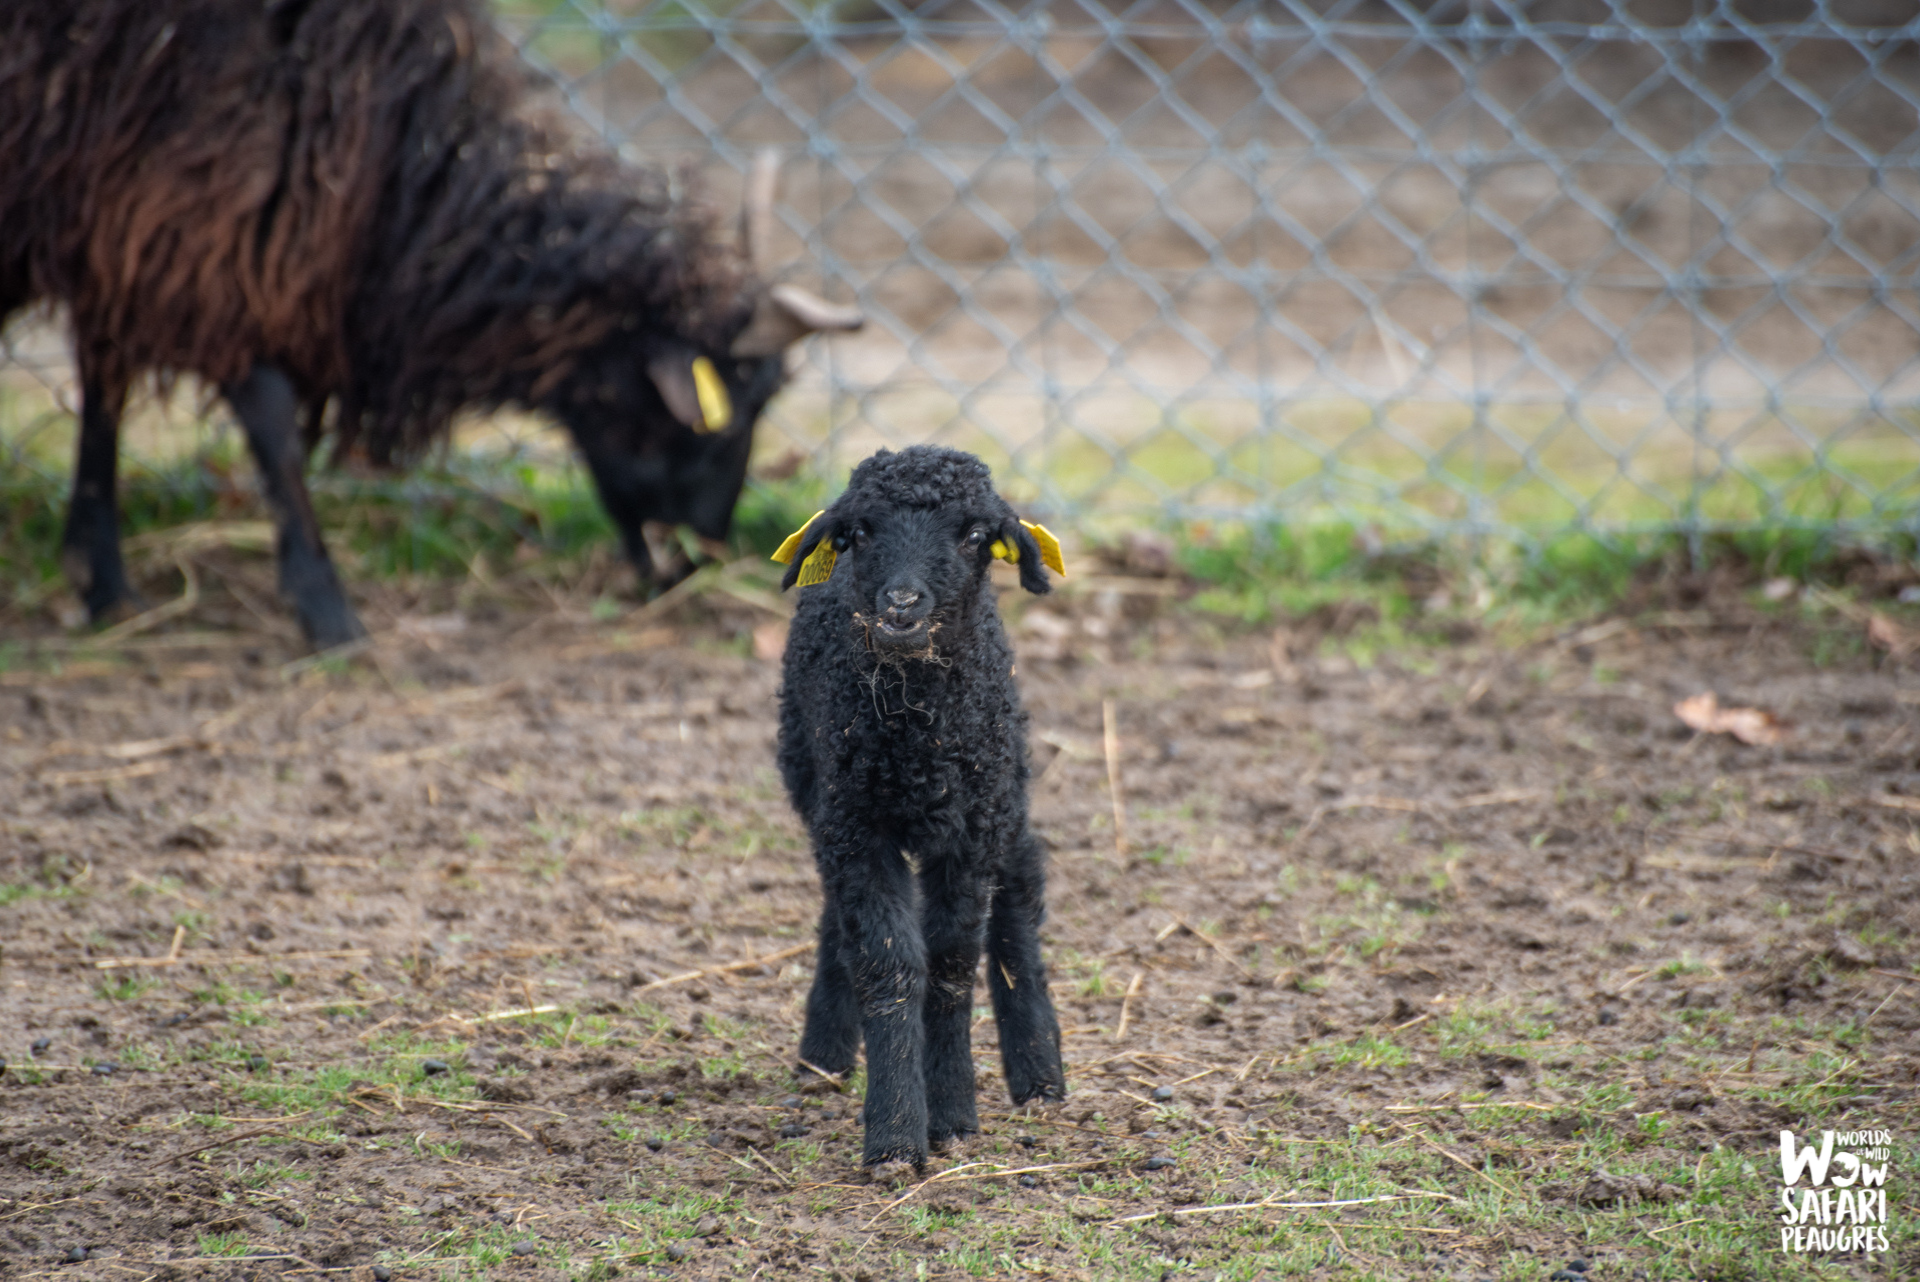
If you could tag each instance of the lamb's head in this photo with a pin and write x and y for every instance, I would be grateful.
(908, 546)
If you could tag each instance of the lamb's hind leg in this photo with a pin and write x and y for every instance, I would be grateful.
(952, 920)
(831, 1039)
(90, 548)
(266, 405)
(1017, 979)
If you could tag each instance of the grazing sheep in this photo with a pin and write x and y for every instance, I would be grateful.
(349, 204)
(904, 748)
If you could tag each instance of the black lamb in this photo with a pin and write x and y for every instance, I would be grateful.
(347, 216)
(904, 748)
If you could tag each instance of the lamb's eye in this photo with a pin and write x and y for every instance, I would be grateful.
(976, 536)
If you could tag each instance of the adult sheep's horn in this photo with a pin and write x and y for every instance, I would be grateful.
(786, 314)
(756, 208)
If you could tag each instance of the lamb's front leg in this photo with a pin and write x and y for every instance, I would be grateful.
(880, 946)
(953, 913)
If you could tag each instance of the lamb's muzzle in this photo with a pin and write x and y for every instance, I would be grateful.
(904, 615)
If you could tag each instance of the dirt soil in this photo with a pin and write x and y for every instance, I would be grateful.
(1476, 919)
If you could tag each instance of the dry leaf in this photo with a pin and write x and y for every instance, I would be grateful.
(1749, 725)
(1884, 634)
(770, 641)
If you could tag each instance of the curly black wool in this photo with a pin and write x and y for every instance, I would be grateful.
(354, 219)
(904, 747)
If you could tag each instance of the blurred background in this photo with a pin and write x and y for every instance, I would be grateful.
(1417, 269)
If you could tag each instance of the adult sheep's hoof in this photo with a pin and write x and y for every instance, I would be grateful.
(330, 625)
(127, 604)
(893, 1172)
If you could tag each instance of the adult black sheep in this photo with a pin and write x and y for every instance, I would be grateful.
(350, 203)
(904, 748)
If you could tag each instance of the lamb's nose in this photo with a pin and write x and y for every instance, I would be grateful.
(901, 598)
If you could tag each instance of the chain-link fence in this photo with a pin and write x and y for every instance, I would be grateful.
(1462, 266)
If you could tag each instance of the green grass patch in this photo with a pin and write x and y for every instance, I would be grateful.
(394, 1069)
(221, 1243)
(504, 499)
(484, 513)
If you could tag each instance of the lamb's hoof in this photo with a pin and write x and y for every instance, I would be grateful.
(1035, 1096)
(953, 1143)
(892, 1173)
(809, 1080)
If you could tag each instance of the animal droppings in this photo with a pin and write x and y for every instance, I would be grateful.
(1161, 1094)
(433, 1067)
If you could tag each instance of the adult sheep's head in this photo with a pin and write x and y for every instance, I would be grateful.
(673, 421)
(908, 546)
(665, 416)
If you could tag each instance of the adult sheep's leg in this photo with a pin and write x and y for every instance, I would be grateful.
(623, 492)
(953, 911)
(870, 885)
(832, 1035)
(1017, 979)
(90, 547)
(266, 405)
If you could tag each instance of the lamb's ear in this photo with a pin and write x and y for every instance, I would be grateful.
(1018, 538)
(808, 553)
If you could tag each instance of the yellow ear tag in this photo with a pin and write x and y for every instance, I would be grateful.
(1049, 548)
(716, 407)
(817, 568)
(785, 552)
(1004, 551)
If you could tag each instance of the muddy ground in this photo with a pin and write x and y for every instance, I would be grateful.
(1473, 925)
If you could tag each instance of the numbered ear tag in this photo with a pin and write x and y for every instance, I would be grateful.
(1049, 548)
(1004, 551)
(716, 407)
(784, 554)
(817, 568)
